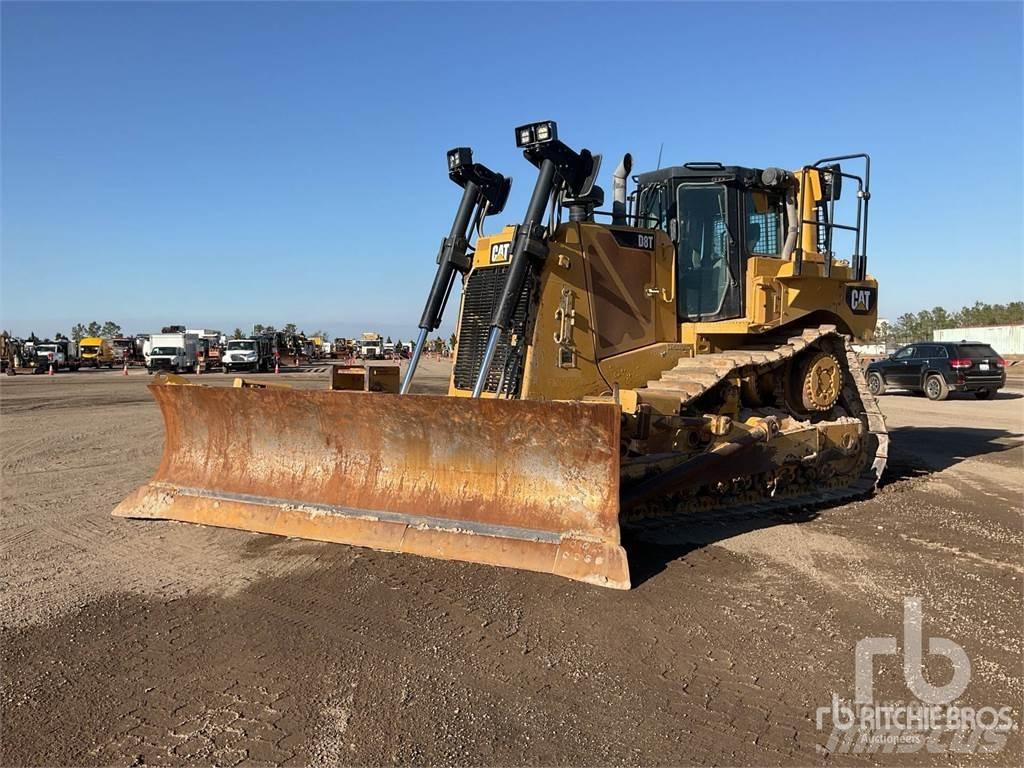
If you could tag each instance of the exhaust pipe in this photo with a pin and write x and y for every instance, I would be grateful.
(619, 189)
(777, 177)
(794, 224)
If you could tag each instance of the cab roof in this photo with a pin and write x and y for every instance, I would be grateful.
(702, 172)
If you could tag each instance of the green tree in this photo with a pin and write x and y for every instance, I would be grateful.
(257, 329)
(93, 329)
(291, 329)
(910, 327)
(110, 330)
(322, 334)
(32, 337)
(941, 318)
(451, 341)
(78, 332)
(237, 334)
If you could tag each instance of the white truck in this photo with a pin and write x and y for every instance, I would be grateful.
(252, 354)
(57, 354)
(174, 352)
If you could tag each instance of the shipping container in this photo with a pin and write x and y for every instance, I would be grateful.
(1004, 339)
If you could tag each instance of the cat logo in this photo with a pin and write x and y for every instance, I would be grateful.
(499, 253)
(861, 301)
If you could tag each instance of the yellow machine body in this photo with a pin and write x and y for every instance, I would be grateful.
(614, 408)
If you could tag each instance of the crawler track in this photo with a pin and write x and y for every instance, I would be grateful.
(693, 378)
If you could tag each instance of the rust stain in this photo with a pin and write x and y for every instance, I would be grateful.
(549, 467)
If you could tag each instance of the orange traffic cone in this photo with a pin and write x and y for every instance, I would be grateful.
(125, 372)
(50, 373)
(277, 366)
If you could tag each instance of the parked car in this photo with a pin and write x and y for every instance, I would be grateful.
(937, 368)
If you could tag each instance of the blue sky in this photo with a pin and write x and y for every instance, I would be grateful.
(224, 164)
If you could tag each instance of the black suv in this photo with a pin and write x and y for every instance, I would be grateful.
(940, 367)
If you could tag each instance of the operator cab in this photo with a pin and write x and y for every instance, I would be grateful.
(717, 216)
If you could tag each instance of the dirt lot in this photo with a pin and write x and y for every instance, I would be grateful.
(131, 642)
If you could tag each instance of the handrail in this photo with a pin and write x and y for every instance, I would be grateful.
(860, 227)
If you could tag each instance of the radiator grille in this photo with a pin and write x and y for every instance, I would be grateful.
(483, 290)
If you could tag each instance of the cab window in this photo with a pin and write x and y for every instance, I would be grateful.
(703, 249)
(652, 210)
(904, 354)
(765, 223)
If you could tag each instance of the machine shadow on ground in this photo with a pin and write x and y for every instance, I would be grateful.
(914, 452)
(918, 451)
(650, 552)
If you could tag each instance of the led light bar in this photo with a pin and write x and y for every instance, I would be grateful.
(536, 133)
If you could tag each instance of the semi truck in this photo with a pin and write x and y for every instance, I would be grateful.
(371, 346)
(209, 351)
(96, 352)
(172, 352)
(127, 349)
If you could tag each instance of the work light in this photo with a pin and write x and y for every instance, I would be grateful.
(459, 157)
(536, 133)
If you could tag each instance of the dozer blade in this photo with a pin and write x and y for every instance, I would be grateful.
(525, 484)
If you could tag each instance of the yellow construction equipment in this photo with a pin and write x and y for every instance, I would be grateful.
(689, 355)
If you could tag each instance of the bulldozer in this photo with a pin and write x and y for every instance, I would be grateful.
(686, 353)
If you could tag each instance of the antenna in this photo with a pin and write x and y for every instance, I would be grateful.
(659, 155)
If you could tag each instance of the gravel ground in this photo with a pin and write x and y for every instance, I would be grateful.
(133, 642)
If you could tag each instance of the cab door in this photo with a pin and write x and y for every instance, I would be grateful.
(709, 272)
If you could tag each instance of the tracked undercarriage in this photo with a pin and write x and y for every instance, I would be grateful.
(778, 424)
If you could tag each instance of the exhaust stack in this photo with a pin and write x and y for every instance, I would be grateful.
(619, 190)
(777, 177)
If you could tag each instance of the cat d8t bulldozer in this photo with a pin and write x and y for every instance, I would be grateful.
(686, 352)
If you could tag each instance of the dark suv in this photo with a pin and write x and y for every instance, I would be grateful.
(940, 367)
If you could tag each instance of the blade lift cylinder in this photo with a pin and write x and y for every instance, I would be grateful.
(559, 168)
(484, 194)
(528, 232)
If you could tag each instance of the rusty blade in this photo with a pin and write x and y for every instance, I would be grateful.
(525, 484)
